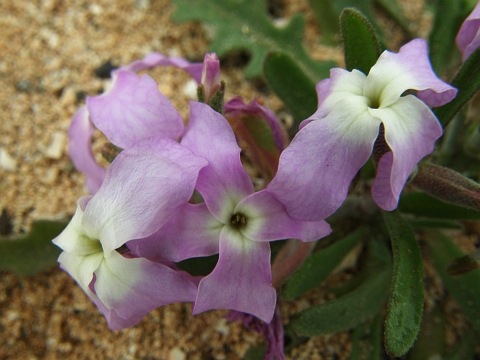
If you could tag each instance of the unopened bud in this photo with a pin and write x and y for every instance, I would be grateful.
(210, 76)
(448, 185)
(211, 91)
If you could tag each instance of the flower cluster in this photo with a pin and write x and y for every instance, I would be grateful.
(177, 192)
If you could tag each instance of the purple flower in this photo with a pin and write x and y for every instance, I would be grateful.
(468, 37)
(143, 187)
(315, 171)
(132, 109)
(232, 221)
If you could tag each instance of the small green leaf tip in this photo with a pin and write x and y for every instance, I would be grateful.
(361, 45)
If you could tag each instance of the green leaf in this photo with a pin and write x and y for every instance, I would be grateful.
(442, 36)
(464, 288)
(361, 45)
(318, 266)
(422, 204)
(292, 85)
(467, 81)
(352, 309)
(405, 305)
(34, 252)
(244, 24)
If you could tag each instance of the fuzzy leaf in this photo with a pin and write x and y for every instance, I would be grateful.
(245, 25)
(467, 81)
(464, 288)
(361, 45)
(405, 305)
(318, 266)
(33, 252)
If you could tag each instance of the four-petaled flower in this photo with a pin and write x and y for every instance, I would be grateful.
(354, 112)
(234, 221)
(143, 187)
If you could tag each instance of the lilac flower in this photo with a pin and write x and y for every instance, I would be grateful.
(143, 187)
(315, 171)
(132, 109)
(468, 37)
(233, 221)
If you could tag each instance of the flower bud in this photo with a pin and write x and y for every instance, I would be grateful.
(210, 76)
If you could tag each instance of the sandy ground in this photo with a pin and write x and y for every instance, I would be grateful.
(50, 50)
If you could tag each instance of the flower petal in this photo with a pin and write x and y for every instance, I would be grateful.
(136, 286)
(144, 185)
(409, 69)
(157, 59)
(340, 85)
(115, 322)
(267, 220)
(474, 45)
(224, 182)
(81, 268)
(72, 239)
(191, 231)
(468, 37)
(411, 130)
(316, 169)
(80, 150)
(134, 109)
(242, 279)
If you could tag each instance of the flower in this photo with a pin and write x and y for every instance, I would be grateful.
(354, 112)
(132, 109)
(468, 37)
(143, 187)
(233, 221)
